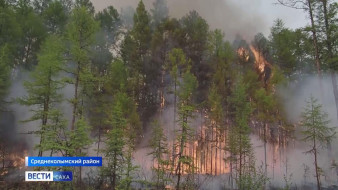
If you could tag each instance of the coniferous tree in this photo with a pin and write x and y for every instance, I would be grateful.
(32, 35)
(135, 53)
(4, 74)
(239, 145)
(124, 120)
(80, 33)
(316, 132)
(158, 144)
(43, 90)
(55, 17)
(176, 60)
(186, 108)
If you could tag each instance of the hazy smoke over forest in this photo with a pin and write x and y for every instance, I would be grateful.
(231, 16)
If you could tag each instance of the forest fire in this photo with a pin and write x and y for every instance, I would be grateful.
(261, 63)
(207, 153)
(17, 159)
(243, 54)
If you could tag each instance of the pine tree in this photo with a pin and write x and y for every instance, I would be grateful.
(316, 132)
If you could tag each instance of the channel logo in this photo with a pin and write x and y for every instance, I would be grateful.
(48, 176)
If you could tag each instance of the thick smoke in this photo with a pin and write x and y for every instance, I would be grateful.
(233, 17)
(294, 97)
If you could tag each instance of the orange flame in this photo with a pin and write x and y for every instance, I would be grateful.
(260, 60)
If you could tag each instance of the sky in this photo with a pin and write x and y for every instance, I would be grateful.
(244, 17)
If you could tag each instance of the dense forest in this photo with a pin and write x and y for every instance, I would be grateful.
(167, 102)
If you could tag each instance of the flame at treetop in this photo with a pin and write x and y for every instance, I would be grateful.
(260, 62)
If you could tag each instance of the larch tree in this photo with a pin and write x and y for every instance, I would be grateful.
(308, 6)
(316, 132)
(193, 37)
(32, 35)
(186, 108)
(80, 33)
(135, 53)
(239, 145)
(176, 60)
(43, 91)
(328, 25)
(55, 17)
(159, 150)
(115, 144)
(4, 74)
(123, 120)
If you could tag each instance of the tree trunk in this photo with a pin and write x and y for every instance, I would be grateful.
(75, 97)
(99, 141)
(315, 41)
(265, 156)
(330, 54)
(114, 173)
(174, 126)
(316, 165)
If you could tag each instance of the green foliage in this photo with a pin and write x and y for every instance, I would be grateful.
(238, 143)
(79, 138)
(4, 73)
(315, 125)
(176, 61)
(141, 30)
(186, 108)
(33, 33)
(87, 4)
(254, 180)
(116, 80)
(283, 43)
(265, 105)
(43, 91)
(316, 132)
(114, 156)
(193, 39)
(124, 121)
(215, 104)
(55, 17)
(109, 19)
(80, 33)
(158, 145)
(55, 134)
